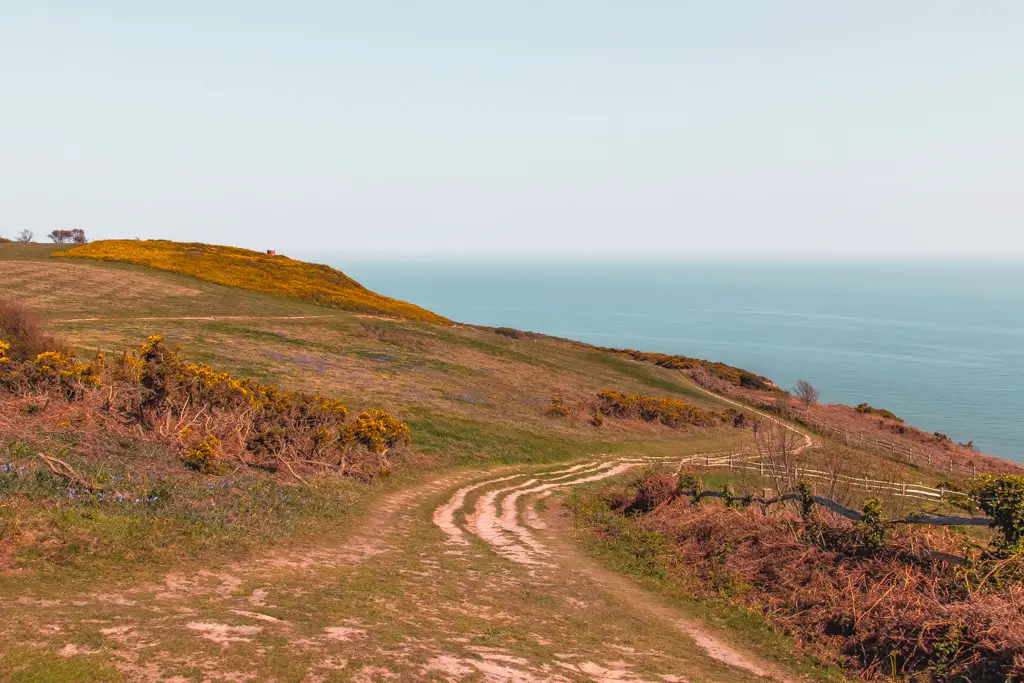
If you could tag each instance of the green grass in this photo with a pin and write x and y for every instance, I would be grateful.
(150, 510)
(41, 667)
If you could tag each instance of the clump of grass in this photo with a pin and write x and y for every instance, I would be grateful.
(254, 271)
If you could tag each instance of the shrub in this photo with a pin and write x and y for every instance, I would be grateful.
(806, 493)
(21, 330)
(157, 392)
(513, 333)
(873, 529)
(377, 431)
(692, 484)
(865, 409)
(749, 380)
(1001, 497)
(720, 371)
(203, 456)
(668, 411)
(731, 500)
(557, 408)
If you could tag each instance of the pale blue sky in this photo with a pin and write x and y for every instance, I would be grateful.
(667, 128)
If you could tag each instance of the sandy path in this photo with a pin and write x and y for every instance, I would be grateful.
(457, 578)
(808, 441)
(511, 534)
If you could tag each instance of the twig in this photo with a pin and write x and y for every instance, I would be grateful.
(62, 469)
(294, 474)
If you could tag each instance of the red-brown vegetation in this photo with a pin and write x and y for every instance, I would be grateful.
(889, 601)
(156, 394)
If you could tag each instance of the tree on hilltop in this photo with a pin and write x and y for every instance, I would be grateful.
(76, 236)
(25, 236)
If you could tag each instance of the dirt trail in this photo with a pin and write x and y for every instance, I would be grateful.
(808, 441)
(511, 533)
(457, 578)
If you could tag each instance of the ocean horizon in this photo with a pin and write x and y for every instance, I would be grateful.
(939, 343)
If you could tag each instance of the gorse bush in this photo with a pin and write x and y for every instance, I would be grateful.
(668, 411)
(209, 415)
(721, 371)
(865, 409)
(378, 432)
(557, 408)
(255, 271)
(203, 457)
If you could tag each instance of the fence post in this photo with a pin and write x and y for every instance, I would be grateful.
(942, 494)
(707, 460)
(903, 489)
(974, 470)
(762, 468)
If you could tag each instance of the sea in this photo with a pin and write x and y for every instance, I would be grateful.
(940, 344)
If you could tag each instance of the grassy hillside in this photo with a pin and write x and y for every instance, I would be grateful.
(469, 395)
(111, 506)
(254, 271)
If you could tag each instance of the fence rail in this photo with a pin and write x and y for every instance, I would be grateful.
(754, 463)
(892, 448)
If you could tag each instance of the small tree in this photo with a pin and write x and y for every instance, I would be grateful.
(777, 446)
(806, 392)
(76, 236)
(25, 236)
(872, 525)
(1002, 499)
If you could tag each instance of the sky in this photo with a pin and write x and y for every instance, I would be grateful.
(591, 128)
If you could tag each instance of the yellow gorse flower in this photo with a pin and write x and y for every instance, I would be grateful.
(254, 271)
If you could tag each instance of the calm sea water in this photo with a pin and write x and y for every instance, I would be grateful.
(939, 344)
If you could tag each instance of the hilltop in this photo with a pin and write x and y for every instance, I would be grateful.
(255, 271)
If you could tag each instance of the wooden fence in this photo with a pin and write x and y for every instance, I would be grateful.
(893, 449)
(901, 489)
